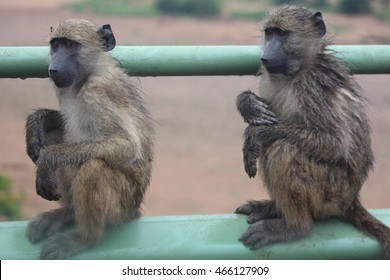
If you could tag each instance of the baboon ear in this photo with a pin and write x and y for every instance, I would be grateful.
(319, 24)
(108, 37)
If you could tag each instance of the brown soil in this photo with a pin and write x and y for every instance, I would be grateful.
(198, 167)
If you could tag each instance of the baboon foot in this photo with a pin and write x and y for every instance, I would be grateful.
(267, 232)
(258, 210)
(62, 246)
(40, 228)
(47, 224)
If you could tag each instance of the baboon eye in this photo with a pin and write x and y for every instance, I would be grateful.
(54, 44)
(268, 32)
(275, 31)
(282, 32)
(68, 44)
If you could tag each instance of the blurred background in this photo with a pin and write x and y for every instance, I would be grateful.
(198, 164)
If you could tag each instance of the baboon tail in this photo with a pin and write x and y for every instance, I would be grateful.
(362, 219)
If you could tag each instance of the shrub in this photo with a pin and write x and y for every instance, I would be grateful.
(353, 7)
(189, 7)
(9, 202)
(309, 3)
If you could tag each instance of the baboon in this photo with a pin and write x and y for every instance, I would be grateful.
(310, 133)
(95, 154)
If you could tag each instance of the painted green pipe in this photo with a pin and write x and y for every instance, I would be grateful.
(206, 237)
(32, 62)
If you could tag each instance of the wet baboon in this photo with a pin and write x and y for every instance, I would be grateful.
(94, 155)
(310, 132)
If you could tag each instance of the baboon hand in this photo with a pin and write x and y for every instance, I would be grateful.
(46, 186)
(45, 182)
(250, 164)
(43, 128)
(33, 149)
(35, 142)
(255, 110)
(251, 150)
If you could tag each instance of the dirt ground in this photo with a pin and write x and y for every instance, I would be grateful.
(198, 167)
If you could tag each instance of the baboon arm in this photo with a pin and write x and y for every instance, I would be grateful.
(39, 124)
(316, 144)
(255, 137)
(115, 151)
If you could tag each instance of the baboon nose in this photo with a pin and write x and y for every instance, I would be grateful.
(52, 71)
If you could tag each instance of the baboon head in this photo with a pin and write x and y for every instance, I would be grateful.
(75, 47)
(292, 37)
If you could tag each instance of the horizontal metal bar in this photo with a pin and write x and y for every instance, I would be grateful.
(206, 237)
(32, 62)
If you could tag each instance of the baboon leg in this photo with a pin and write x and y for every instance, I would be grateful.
(49, 223)
(295, 222)
(258, 210)
(266, 232)
(95, 200)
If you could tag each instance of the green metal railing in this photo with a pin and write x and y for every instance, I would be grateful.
(206, 237)
(32, 62)
(199, 236)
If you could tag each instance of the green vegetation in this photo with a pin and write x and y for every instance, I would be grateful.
(378, 8)
(353, 7)
(318, 4)
(235, 9)
(199, 8)
(149, 7)
(248, 15)
(243, 9)
(383, 14)
(9, 202)
(115, 7)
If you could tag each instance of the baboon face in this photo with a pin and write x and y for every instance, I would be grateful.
(75, 46)
(64, 69)
(291, 36)
(275, 58)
